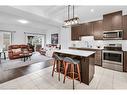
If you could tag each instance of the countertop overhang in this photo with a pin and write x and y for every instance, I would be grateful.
(84, 53)
(84, 48)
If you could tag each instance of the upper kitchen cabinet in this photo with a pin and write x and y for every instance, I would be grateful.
(75, 32)
(84, 31)
(112, 21)
(87, 29)
(98, 30)
(124, 27)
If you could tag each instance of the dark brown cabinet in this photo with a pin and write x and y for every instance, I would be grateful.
(98, 57)
(75, 32)
(112, 21)
(107, 22)
(98, 54)
(87, 29)
(125, 61)
(98, 30)
(84, 30)
(124, 23)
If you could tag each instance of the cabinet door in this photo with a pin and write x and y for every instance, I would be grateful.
(98, 30)
(75, 32)
(125, 61)
(89, 29)
(98, 57)
(124, 21)
(112, 21)
(107, 22)
(117, 20)
(84, 31)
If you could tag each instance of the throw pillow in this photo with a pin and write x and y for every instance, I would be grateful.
(16, 50)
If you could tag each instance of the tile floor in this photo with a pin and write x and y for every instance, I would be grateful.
(42, 79)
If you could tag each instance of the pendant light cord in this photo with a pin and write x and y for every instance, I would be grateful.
(73, 11)
(68, 12)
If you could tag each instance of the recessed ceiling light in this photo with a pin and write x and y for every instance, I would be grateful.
(92, 10)
(23, 21)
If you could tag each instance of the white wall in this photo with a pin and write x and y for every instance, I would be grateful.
(65, 37)
(48, 35)
(19, 36)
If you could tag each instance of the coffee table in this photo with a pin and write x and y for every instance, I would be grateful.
(25, 56)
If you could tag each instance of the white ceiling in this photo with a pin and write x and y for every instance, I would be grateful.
(59, 13)
(49, 17)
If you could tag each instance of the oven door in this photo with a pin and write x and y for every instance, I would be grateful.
(115, 57)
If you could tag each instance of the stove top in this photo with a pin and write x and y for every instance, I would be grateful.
(114, 47)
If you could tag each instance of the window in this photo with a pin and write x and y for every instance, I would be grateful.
(6, 39)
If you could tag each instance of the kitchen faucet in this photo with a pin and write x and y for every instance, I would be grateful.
(87, 43)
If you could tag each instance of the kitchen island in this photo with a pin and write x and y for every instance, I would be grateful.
(98, 54)
(86, 58)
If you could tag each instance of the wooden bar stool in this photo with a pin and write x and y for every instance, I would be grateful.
(72, 62)
(58, 61)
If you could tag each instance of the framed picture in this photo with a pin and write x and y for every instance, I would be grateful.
(54, 39)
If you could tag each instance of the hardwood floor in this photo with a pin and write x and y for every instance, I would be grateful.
(18, 72)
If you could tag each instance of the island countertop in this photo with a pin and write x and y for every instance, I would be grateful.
(84, 53)
(84, 48)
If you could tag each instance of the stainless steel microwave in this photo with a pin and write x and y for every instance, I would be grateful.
(115, 34)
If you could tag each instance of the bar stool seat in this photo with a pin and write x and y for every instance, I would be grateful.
(72, 62)
(58, 60)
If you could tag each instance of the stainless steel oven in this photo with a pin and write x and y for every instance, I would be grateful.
(115, 57)
(115, 34)
(112, 59)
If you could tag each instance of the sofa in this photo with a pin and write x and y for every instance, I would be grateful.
(16, 51)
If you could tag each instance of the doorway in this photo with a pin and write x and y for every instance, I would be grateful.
(36, 41)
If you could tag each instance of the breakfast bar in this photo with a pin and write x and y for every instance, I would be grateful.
(86, 62)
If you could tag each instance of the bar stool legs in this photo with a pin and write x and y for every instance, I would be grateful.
(58, 64)
(58, 68)
(78, 68)
(73, 73)
(65, 72)
(53, 68)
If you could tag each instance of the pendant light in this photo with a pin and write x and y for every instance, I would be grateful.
(71, 21)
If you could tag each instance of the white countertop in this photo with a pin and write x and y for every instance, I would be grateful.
(84, 53)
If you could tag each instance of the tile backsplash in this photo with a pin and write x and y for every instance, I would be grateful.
(88, 41)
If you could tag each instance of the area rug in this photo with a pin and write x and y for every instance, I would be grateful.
(36, 58)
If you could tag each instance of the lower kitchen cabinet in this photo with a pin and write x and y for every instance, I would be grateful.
(98, 54)
(98, 57)
(125, 62)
